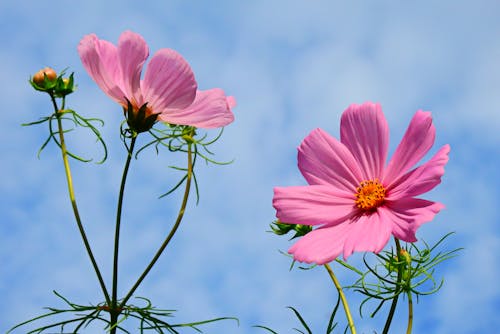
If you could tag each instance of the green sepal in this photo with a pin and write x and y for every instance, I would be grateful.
(138, 121)
(280, 228)
(61, 88)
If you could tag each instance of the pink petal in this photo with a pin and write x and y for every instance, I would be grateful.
(100, 59)
(231, 102)
(365, 233)
(322, 159)
(364, 131)
(408, 214)
(369, 233)
(416, 142)
(132, 52)
(322, 245)
(313, 205)
(401, 227)
(169, 82)
(210, 109)
(421, 179)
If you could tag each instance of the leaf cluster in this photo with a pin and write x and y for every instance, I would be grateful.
(76, 120)
(180, 138)
(149, 318)
(305, 327)
(409, 271)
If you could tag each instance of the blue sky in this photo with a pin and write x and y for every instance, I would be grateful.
(293, 66)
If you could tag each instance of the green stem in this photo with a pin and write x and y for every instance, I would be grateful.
(115, 311)
(398, 287)
(172, 231)
(342, 297)
(72, 198)
(410, 313)
(113, 320)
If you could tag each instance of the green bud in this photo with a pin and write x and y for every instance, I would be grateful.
(280, 228)
(301, 230)
(64, 86)
(405, 256)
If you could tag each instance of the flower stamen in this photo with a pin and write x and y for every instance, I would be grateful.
(370, 195)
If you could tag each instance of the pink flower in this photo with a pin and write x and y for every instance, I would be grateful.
(357, 200)
(168, 88)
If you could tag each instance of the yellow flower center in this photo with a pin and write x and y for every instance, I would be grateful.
(370, 195)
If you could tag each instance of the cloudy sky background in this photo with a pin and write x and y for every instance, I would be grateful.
(292, 66)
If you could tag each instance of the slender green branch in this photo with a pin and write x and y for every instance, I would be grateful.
(396, 294)
(410, 312)
(114, 311)
(72, 198)
(342, 297)
(172, 231)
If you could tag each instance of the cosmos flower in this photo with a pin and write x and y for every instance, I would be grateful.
(354, 199)
(168, 90)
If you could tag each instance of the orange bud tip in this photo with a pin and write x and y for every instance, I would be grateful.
(39, 77)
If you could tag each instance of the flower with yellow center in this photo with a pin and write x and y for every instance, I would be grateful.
(357, 200)
(370, 195)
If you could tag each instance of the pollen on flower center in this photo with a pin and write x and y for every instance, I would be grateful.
(370, 195)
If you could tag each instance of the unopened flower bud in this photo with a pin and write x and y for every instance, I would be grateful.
(405, 256)
(39, 77)
(281, 228)
(64, 85)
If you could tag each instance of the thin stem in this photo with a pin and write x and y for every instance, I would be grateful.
(72, 198)
(410, 313)
(342, 297)
(114, 301)
(395, 299)
(172, 231)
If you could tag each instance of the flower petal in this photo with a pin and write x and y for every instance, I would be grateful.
(321, 245)
(408, 214)
(401, 227)
(231, 101)
(369, 233)
(322, 159)
(416, 142)
(364, 131)
(169, 82)
(313, 205)
(132, 52)
(210, 109)
(100, 59)
(421, 179)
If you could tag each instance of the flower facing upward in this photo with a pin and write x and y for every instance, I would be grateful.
(357, 200)
(168, 91)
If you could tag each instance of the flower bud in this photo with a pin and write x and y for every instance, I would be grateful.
(405, 256)
(281, 228)
(64, 86)
(301, 230)
(47, 72)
